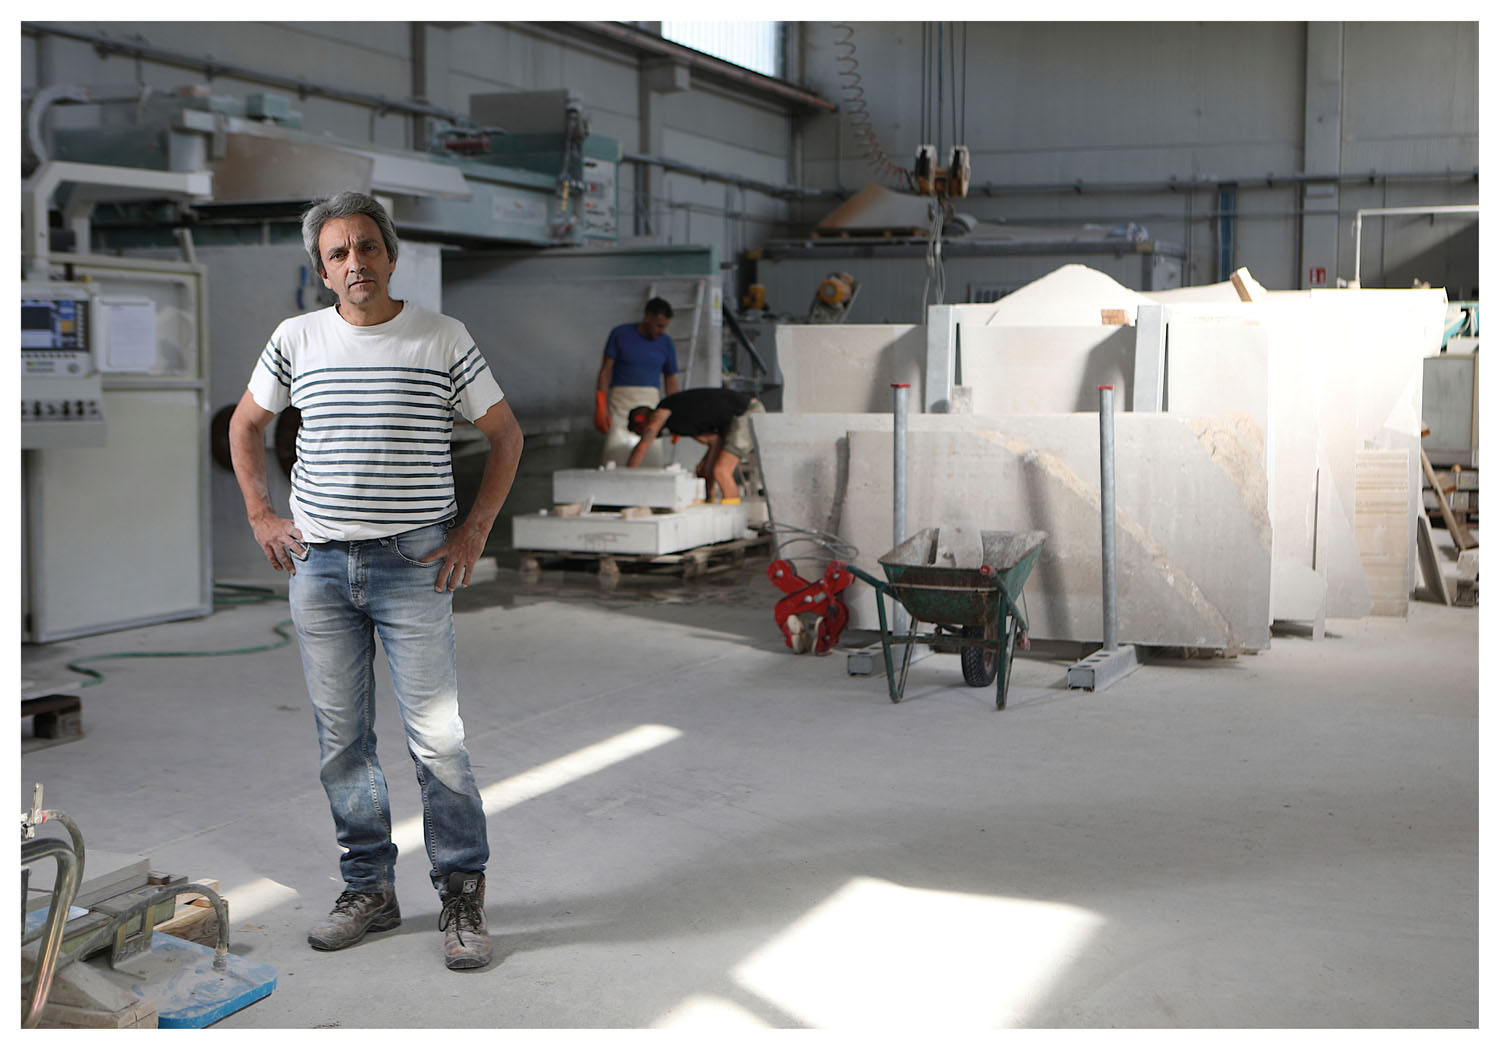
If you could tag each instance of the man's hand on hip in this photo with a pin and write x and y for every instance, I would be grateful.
(460, 554)
(280, 540)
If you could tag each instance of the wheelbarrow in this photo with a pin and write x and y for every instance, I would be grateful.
(967, 584)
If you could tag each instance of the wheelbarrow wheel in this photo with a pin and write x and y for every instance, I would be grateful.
(979, 662)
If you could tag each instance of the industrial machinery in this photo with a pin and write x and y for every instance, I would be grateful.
(933, 181)
(114, 470)
(524, 170)
(61, 398)
(833, 300)
(143, 977)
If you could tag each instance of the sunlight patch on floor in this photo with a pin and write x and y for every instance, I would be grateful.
(877, 955)
(251, 898)
(549, 776)
(708, 1012)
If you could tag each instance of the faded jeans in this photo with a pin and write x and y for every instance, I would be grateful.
(341, 597)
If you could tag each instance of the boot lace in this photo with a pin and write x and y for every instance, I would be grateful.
(461, 911)
(350, 900)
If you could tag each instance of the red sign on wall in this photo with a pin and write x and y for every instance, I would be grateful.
(1317, 276)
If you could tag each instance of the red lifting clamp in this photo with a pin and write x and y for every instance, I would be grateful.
(814, 602)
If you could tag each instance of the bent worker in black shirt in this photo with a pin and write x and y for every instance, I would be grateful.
(714, 416)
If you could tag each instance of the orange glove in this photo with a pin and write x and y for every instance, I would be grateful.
(601, 412)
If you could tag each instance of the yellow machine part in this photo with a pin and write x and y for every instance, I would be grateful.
(836, 289)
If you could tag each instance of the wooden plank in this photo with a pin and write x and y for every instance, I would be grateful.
(1245, 286)
(195, 919)
(1462, 537)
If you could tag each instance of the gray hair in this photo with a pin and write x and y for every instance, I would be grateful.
(342, 206)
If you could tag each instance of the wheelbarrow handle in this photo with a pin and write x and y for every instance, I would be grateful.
(878, 584)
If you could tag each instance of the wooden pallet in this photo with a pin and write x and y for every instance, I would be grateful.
(699, 561)
(56, 718)
(194, 918)
(874, 233)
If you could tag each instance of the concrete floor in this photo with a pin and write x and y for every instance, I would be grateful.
(692, 827)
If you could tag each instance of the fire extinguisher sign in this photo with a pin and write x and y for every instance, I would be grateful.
(1317, 276)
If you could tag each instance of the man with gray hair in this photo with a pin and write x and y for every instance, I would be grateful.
(372, 549)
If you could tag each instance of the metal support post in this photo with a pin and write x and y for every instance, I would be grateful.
(899, 393)
(1107, 511)
(1110, 662)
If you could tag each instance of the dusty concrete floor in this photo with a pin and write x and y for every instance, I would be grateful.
(692, 827)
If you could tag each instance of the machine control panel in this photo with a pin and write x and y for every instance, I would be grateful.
(62, 402)
(62, 409)
(56, 332)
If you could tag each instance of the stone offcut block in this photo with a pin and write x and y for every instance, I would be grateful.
(670, 487)
(607, 533)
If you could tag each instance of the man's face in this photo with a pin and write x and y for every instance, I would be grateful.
(653, 325)
(356, 265)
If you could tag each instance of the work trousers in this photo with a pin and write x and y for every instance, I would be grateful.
(342, 596)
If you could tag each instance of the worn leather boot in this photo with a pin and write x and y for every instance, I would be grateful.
(466, 940)
(355, 914)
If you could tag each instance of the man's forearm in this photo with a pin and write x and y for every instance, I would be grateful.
(500, 465)
(638, 454)
(247, 451)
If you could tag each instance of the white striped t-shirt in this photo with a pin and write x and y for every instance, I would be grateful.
(377, 404)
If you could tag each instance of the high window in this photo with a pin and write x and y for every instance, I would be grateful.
(754, 45)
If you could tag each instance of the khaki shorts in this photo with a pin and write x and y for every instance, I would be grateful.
(738, 441)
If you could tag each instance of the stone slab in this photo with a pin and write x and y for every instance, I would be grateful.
(1015, 370)
(603, 533)
(1382, 527)
(1193, 536)
(849, 368)
(671, 487)
(804, 463)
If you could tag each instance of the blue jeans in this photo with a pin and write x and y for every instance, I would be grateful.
(341, 596)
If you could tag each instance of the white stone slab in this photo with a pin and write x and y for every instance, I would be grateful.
(1193, 536)
(1341, 377)
(804, 462)
(1016, 370)
(671, 487)
(601, 533)
(849, 368)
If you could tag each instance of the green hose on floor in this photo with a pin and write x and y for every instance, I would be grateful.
(241, 595)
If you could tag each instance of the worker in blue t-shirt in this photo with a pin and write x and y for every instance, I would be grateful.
(639, 368)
